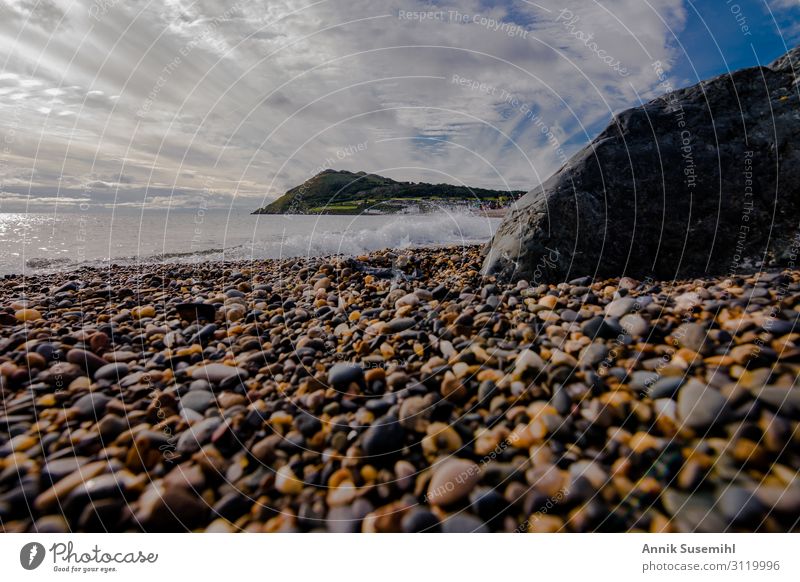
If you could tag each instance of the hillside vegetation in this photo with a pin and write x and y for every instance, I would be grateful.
(342, 192)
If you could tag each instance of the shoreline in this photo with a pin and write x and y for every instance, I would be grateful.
(480, 212)
(252, 238)
(153, 262)
(395, 391)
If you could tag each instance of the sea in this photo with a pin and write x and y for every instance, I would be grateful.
(38, 243)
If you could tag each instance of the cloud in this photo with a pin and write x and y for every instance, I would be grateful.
(786, 13)
(246, 100)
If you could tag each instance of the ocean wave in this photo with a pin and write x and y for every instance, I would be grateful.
(47, 263)
(275, 237)
(399, 232)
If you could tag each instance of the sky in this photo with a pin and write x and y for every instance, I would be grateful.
(186, 104)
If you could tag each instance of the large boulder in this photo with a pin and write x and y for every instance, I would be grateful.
(704, 180)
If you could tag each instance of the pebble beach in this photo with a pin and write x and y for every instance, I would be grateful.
(400, 391)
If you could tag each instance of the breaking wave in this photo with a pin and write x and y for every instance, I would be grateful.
(274, 237)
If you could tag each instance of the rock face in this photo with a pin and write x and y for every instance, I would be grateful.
(703, 180)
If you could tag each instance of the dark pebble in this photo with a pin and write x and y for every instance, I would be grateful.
(86, 360)
(92, 404)
(197, 400)
(194, 437)
(112, 371)
(666, 387)
(600, 327)
(463, 523)
(384, 438)
(421, 521)
(341, 376)
(196, 311)
(307, 424)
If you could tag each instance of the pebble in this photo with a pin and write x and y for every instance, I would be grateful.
(217, 373)
(197, 400)
(28, 315)
(196, 311)
(56, 469)
(92, 405)
(441, 439)
(197, 435)
(341, 376)
(59, 491)
(701, 406)
(112, 372)
(86, 360)
(739, 505)
(51, 524)
(634, 325)
(786, 401)
(666, 387)
(593, 354)
(693, 512)
(172, 510)
(144, 311)
(411, 300)
(488, 504)
(398, 325)
(376, 394)
(780, 498)
(642, 380)
(307, 424)
(8, 319)
(421, 521)
(205, 334)
(287, 482)
(620, 307)
(384, 438)
(691, 335)
(528, 360)
(600, 327)
(452, 481)
(463, 523)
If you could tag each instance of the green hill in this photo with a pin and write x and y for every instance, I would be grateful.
(341, 192)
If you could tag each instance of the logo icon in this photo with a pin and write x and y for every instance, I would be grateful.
(31, 555)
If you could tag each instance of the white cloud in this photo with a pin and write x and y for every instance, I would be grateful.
(249, 99)
(786, 13)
